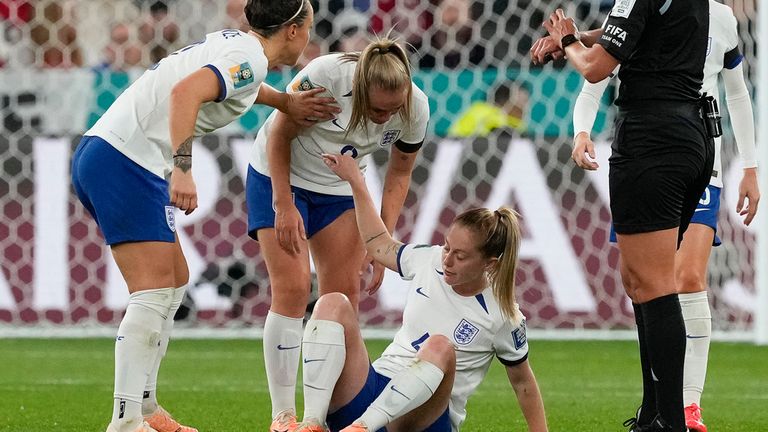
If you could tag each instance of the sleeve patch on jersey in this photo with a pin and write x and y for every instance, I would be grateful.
(520, 336)
(303, 84)
(242, 75)
(465, 332)
(622, 8)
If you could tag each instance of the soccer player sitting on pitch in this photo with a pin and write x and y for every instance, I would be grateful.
(133, 168)
(724, 59)
(460, 314)
(295, 205)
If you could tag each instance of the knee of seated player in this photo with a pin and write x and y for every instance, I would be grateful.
(439, 351)
(334, 307)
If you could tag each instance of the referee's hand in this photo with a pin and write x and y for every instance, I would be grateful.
(584, 152)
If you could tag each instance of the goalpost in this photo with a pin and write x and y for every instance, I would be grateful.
(761, 309)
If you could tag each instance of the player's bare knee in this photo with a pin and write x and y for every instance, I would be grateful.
(438, 350)
(334, 307)
(690, 281)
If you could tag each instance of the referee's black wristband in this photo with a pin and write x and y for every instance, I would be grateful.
(568, 40)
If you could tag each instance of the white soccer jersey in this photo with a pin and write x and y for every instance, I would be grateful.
(722, 52)
(137, 122)
(308, 171)
(474, 324)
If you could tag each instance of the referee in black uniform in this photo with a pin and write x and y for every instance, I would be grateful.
(661, 162)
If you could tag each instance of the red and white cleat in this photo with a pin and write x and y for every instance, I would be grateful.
(693, 418)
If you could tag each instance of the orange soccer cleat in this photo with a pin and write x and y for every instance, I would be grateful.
(162, 421)
(311, 425)
(285, 421)
(355, 427)
(693, 418)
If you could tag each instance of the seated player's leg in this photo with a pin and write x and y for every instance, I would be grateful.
(432, 415)
(335, 360)
(416, 398)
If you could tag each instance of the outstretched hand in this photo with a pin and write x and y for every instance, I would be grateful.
(344, 166)
(307, 108)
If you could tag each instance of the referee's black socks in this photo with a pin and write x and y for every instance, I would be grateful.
(648, 408)
(662, 319)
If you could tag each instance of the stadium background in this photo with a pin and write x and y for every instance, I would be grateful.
(64, 62)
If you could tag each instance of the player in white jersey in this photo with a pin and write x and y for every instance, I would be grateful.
(723, 59)
(120, 168)
(459, 315)
(296, 204)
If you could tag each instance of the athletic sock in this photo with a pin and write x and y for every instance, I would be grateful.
(136, 347)
(698, 332)
(149, 402)
(324, 355)
(648, 408)
(282, 352)
(407, 390)
(665, 336)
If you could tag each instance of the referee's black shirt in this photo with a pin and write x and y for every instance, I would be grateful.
(661, 45)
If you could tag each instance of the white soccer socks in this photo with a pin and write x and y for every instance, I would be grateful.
(698, 332)
(136, 348)
(282, 349)
(149, 401)
(406, 391)
(324, 355)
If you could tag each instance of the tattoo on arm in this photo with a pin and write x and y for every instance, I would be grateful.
(183, 157)
(375, 237)
(392, 248)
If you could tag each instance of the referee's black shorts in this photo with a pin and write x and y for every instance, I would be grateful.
(660, 165)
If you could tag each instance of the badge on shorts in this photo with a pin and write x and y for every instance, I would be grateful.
(389, 137)
(242, 75)
(170, 217)
(622, 8)
(465, 332)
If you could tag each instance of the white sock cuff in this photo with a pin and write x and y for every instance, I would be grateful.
(276, 316)
(324, 332)
(158, 300)
(695, 305)
(428, 373)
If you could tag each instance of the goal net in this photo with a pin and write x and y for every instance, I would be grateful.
(64, 62)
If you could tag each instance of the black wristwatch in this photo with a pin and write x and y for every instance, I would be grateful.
(568, 39)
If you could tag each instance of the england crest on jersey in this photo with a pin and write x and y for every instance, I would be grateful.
(389, 137)
(170, 218)
(465, 332)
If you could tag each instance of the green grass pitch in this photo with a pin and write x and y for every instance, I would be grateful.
(219, 386)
